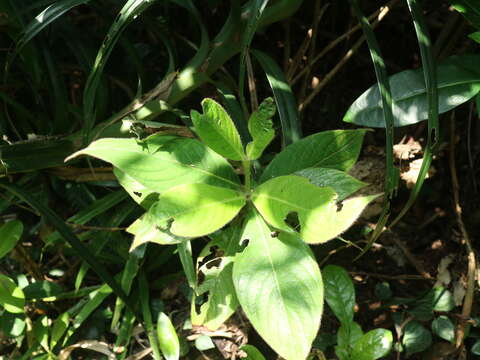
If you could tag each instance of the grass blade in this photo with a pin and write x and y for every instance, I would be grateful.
(429, 72)
(147, 316)
(391, 177)
(286, 103)
(127, 14)
(80, 249)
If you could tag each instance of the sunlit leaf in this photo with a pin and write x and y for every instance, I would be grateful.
(162, 162)
(11, 296)
(260, 127)
(280, 288)
(320, 216)
(337, 149)
(458, 80)
(373, 345)
(217, 130)
(194, 210)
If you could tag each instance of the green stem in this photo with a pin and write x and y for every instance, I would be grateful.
(247, 171)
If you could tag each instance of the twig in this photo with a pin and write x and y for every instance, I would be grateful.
(99, 228)
(472, 265)
(342, 62)
(379, 14)
(251, 83)
(390, 277)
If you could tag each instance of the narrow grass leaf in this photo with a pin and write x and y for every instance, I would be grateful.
(147, 315)
(286, 103)
(129, 12)
(70, 237)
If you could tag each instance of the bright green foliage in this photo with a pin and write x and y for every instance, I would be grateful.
(458, 80)
(352, 343)
(11, 296)
(337, 149)
(217, 283)
(342, 183)
(320, 217)
(415, 338)
(280, 288)
(339, 292)
(443, 327)
(162, 162)
(373, 345)
(190, 190)
(9, 235)
(196, 209)
(217, 131)
(469, 9)
(167, 338)
(260, 127)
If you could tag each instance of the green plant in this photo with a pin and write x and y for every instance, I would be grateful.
(352, 342)
(189, 189)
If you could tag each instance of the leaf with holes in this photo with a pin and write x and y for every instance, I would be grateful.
(260, 127)
(337, 149)
(320, 216)
(161, 162)
(194, 210)
(279, 286)
(217, 130)
(217, 279)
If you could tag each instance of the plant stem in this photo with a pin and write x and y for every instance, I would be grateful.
(247, 172)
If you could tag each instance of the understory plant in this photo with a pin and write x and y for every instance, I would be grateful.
(258, 220)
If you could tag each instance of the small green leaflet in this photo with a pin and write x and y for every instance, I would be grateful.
(196, 209)
(217, 130)
(279, 286)
(11, 296)
(320, 217)
(10, 233)
(260, 127)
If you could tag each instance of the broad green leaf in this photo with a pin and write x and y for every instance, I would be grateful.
(337, 149)
(217, 281)
(142, 195)
(12, 325)
(252, 353)
(167, 338)
(11, 296)
(162, 162)
(339, 293)
(342, 183)
(260, 127)
(444, 328)
(42, 289)
(279, 286)
(10, 233)
(145, 230)
(217, 130)
(458, 80)
(373, 345)
(416, 338)
(468, 8)
(196, 209)
(348, 333)
(437, 299)
(320, 216)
